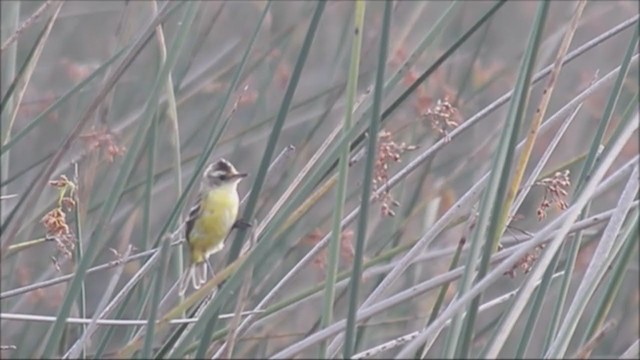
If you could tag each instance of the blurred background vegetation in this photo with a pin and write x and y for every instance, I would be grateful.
(111, 109)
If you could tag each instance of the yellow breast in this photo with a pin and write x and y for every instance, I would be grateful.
(219, 210)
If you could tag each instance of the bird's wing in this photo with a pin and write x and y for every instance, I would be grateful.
(194, 213)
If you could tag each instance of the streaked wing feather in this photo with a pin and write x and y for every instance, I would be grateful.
(194, 213)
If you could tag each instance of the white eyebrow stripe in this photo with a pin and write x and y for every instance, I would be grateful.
(218, 173)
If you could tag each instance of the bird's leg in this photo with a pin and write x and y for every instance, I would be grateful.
(202, 278)
(210, 267)
(195, 282)
(184, 281)
(252, 237)
(241, 224)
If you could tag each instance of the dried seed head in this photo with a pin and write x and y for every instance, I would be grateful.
(388, 151)
(55, 221)
(443, 117)
(526, 262)
(68, 203)
(346, 247)
(103, 140)
(555, 192)
(77, 71)
(283, 74)
(63, 182)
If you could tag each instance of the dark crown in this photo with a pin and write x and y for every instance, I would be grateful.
(224, 166)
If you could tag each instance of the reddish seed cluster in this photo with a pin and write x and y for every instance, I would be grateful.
(554, 192)
(55, 221)
(103, 140)
(283, 74)
(443, 117)
(526, 263)
(77, 71)
(346, 247)
(40, 103)
(388, 151)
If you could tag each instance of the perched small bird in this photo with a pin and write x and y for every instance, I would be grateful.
(211, 219)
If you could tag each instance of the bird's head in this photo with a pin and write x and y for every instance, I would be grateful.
(222, 173)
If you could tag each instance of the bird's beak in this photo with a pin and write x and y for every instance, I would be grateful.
(239, 175)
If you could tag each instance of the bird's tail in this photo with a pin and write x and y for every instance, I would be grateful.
(196, 275)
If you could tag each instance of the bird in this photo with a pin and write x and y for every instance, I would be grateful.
(211, 219)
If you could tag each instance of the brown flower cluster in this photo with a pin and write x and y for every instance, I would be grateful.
(388, 151)
(283, 69)
(103, 140)
(443, 117)
(283, 74)
(526, 263)
(38, 103)
(55, 221)
(554, 192)
(346, 247)
(77, 71)
(246, 96)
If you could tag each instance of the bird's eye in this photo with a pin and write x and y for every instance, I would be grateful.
(217, 176)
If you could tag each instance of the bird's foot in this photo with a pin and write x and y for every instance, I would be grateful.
(241, 224)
